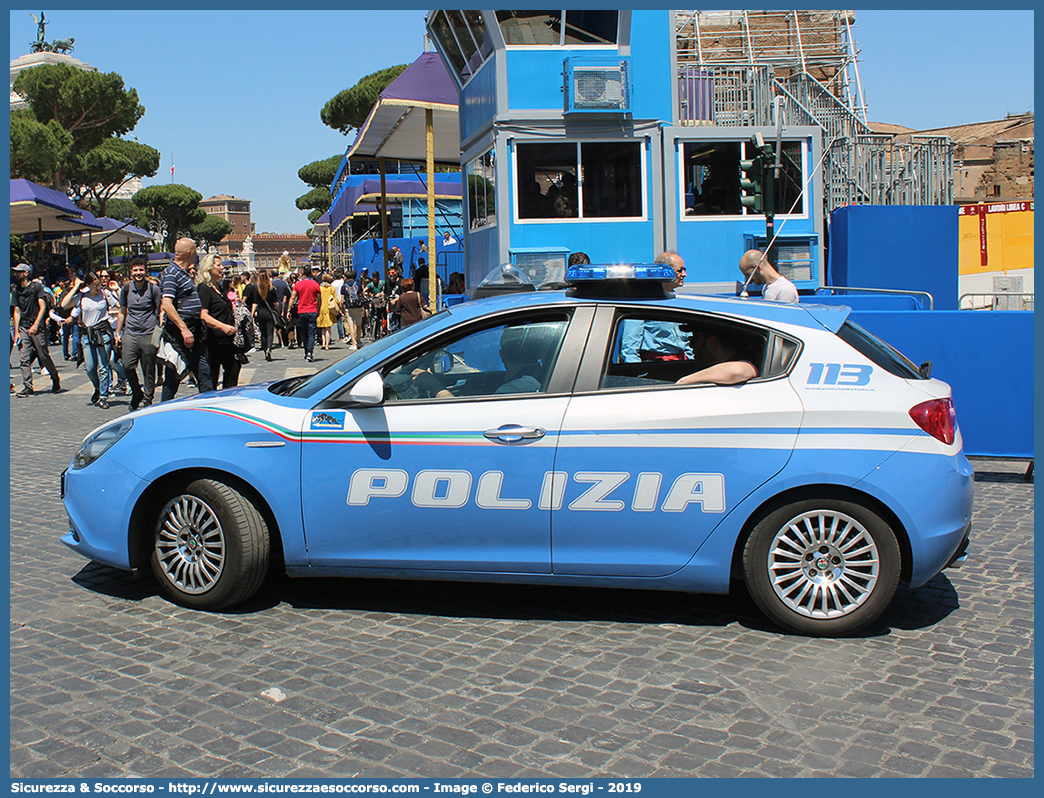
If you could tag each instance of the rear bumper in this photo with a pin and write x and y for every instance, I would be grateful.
(959, 556)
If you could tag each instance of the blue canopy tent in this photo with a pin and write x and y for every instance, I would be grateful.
(112, 232)
(40, 210)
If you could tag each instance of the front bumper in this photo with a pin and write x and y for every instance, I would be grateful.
(98, 500)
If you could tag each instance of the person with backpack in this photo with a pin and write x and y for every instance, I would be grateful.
(139, 316)
(352, 300)
(30, 325)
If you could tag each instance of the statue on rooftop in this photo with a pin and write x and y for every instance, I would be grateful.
(41, 27)
(41, 45)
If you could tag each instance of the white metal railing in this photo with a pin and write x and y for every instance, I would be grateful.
(994, 300)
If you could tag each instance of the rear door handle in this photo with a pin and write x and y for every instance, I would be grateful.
(514, 433)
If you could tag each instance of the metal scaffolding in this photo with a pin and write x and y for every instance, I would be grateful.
(733, 64)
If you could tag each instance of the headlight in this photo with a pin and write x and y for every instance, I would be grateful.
(94, 446)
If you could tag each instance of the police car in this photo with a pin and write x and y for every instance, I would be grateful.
(554, 437)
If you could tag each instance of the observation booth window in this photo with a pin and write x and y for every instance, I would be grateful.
(465, 40)
(711, 179)
(482, 197)
(579, 180)
(547, 28)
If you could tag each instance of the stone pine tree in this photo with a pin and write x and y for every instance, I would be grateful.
(93, 109)
(319, 175)
(98, 173)
(172, 210)
(346, 111)
(211, 230)
(38, 149)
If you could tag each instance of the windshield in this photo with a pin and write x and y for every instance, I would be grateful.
(308, 385)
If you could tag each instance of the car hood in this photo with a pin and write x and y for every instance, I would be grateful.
(228, 397)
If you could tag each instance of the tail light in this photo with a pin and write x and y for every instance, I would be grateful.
(937, 418)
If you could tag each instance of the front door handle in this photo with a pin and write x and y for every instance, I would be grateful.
(514, 433)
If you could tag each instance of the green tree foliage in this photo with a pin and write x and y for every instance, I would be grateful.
(211, 230)
(319, 175)
(17, 249)
(349, 108)
(37, 150)
(99, 172)
(318, 198)
(172, 209)
(91, 105)
(122, 210)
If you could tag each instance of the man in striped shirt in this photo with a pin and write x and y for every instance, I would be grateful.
(183, 327)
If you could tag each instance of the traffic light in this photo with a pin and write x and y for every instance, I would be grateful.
(752, 179)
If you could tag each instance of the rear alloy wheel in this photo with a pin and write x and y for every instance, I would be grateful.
(822, 568)
(211, 546)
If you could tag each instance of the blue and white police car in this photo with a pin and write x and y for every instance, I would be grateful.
(555, 437)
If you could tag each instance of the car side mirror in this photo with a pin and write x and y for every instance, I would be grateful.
(368, 390)
(441, 362)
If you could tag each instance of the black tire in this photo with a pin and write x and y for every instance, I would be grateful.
(822, 568)
(210, 546)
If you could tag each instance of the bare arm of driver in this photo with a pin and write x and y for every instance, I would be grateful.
(731, 372)
(429, 383)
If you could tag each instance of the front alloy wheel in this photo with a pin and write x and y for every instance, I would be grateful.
(822, 568)
(211, 546)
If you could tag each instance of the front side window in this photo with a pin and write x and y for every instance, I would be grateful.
(711, 177)
(482, 204)
(586, 180)
(512, 358)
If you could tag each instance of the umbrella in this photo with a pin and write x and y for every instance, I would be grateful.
(396, 128)
(38, 209)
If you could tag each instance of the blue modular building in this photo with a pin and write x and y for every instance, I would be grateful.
(624, 133)
(577, 134)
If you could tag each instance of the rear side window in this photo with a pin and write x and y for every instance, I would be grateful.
(874, 349)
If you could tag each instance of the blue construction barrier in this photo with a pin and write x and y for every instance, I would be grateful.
(985, 356)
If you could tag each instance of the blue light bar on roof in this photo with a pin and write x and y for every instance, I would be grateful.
(654, 272)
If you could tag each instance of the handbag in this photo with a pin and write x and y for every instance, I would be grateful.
(157, 336)
(277, 317)
(98, 334)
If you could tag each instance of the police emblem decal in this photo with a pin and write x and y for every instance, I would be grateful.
(328, 419)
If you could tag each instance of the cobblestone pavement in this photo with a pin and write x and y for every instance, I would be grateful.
(333, 677)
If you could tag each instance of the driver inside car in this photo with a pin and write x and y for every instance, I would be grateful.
(523, 372)
(725, 363)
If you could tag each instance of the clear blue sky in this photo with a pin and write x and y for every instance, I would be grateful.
(235, 96)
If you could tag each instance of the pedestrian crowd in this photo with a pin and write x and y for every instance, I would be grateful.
(194, 323)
